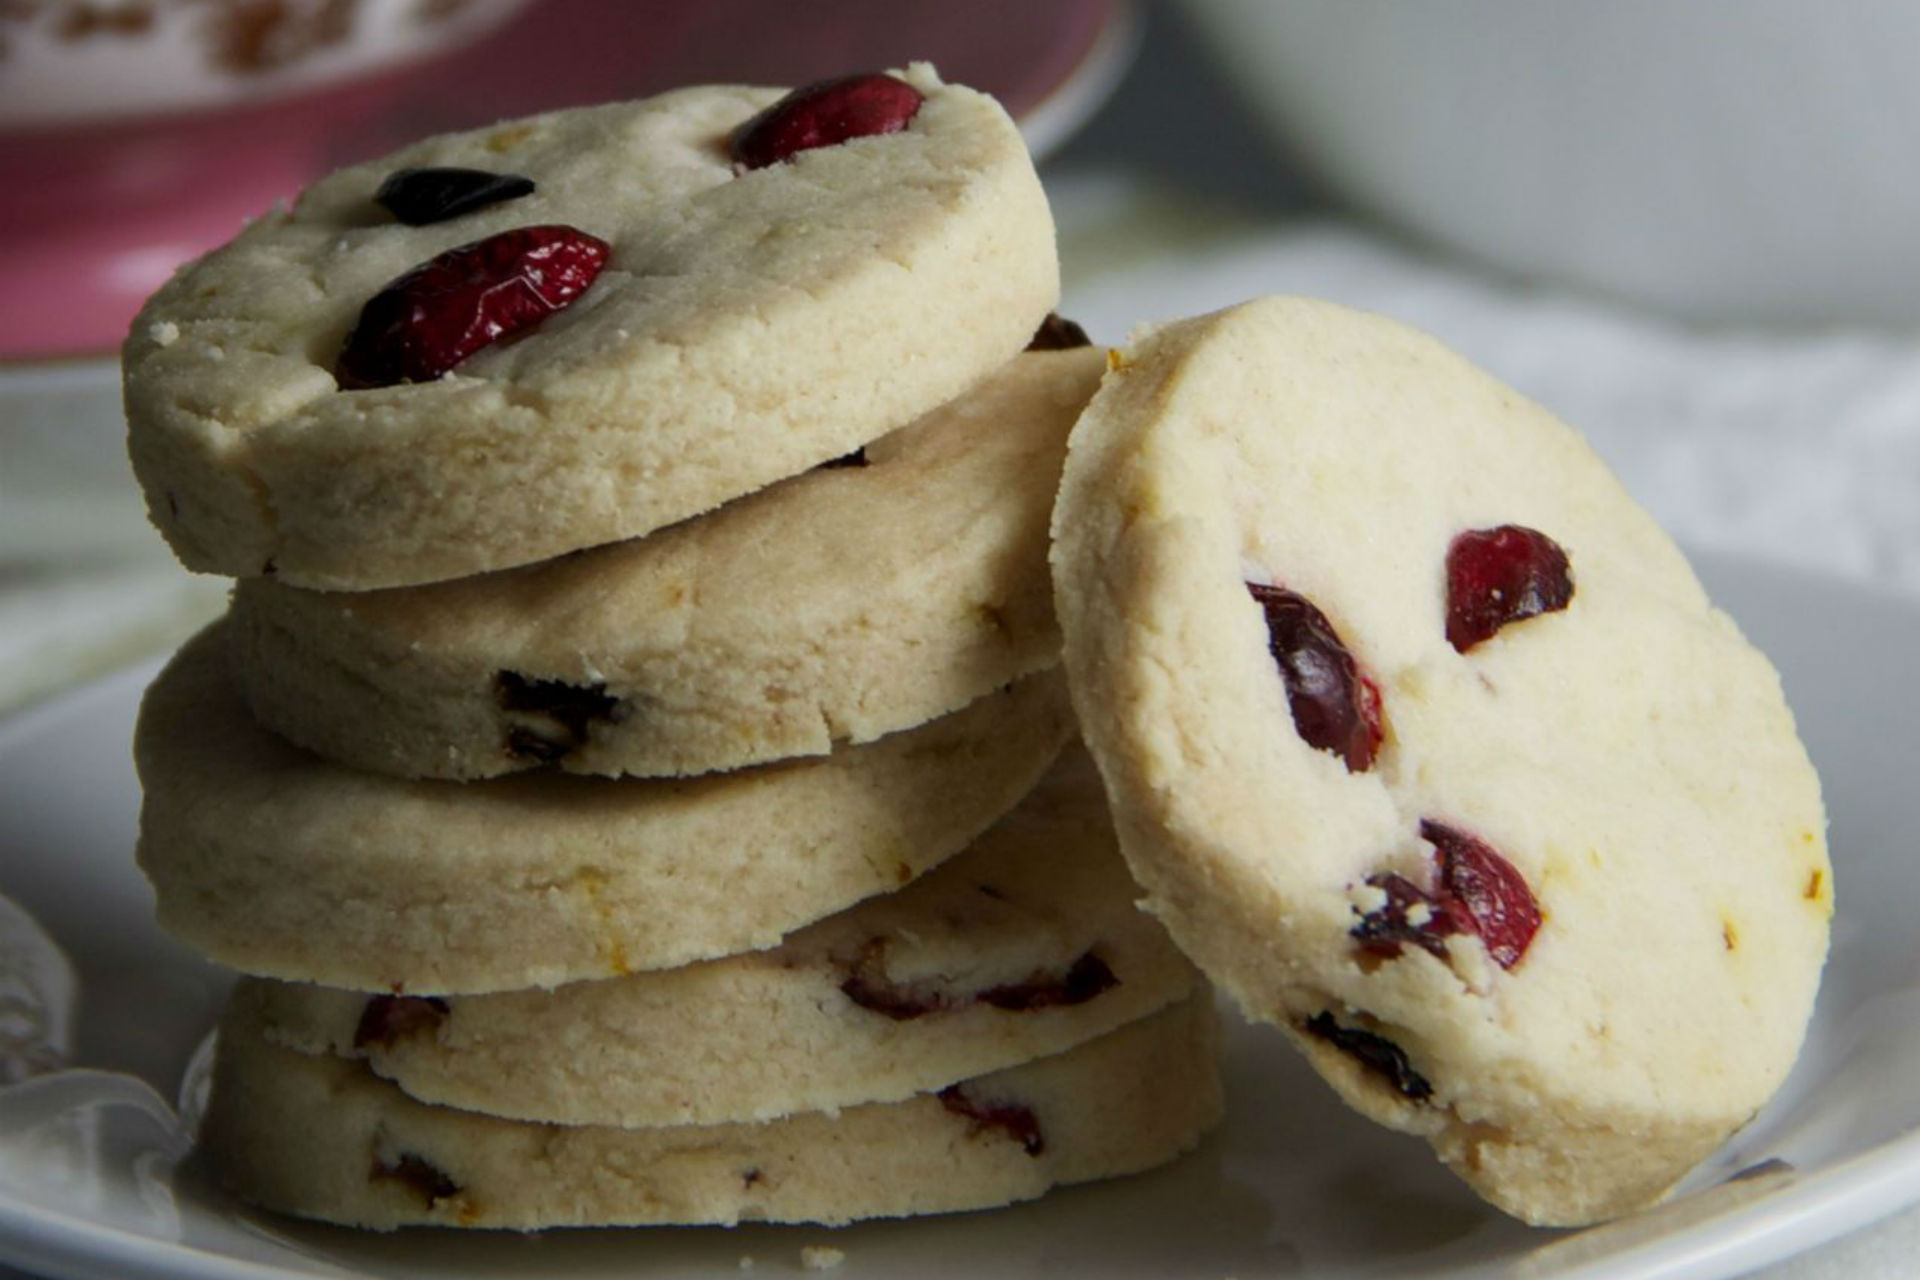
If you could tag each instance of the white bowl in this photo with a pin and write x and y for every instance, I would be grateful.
(1748, 160)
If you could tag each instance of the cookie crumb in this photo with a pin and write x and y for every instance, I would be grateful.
(164, 333)
(821, 1257)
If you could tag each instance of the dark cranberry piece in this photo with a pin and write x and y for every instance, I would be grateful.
(1376, 1053)
(426, 1178)
(858, 458)
(430, 319)
(1017, 1122)
(1488, 890)
(390, 1018)
(419, 197)
(1089, 977)
(824, 114)
(1384, 931)
(868, 986)
(572, 708)
(1476, 891)
(1057, 333)
(1497, 576)
(1335, 708)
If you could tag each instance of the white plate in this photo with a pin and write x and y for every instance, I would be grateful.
(1294, 1185)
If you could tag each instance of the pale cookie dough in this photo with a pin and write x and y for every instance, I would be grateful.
(845, 604)
(746, 327)
(274, 862)
(1630, 756)
(323, 1137)
(1025, 945)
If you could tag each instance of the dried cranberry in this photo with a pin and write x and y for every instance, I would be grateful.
(572, 708)
(390, 1018)
(1476, 891)
(1057, 333)
(1335, 708)
(1089, 977)
(433, 317)
(1382, 932)
(1017, 1122)
(868, 986)
(824, 114)
(1501, 575)
(1376, 1053)
(428, 1180)
(1488, 890)
(420, 197)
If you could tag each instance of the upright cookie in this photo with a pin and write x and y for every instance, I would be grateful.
(275, 862)
(1426, 744)
(407, 378)
(1024, 945)
(323, 1137)
(840, 606)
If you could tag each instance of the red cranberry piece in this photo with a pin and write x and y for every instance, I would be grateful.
(1088, 977)
(1384, 931)
(868, 986)
(1476, 891)
(1488, 889)
(1501, 575)
(1017, 1122)
(420, 197)
(824, 114)
(433, 317)
(1335, 708)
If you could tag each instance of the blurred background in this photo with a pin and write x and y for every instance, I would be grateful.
(1690, 229)
(1686, 228)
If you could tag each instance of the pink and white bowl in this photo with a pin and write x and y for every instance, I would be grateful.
(142, 132)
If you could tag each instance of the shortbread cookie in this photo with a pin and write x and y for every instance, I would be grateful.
(842, 605)
(274, 862)
(1025, 945)
(323, 1137)
(743, 326)
(1426, 744)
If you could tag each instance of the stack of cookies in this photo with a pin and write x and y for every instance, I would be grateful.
(631, 770)
(1419, 736)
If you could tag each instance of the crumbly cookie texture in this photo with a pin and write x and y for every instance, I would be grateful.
(274, 862)
(323, 1137)
(1025, 945)
(1629, 757)
(839, 606)
(746, 326)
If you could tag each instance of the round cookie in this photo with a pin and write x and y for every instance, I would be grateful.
(323, 1137)
(274, 862)
(1565, 918)
(745, 327)
(839, 606)
(1025, 945)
